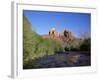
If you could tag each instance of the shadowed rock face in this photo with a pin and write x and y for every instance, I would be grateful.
(64, 36)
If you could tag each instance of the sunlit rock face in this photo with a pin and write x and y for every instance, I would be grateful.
(54, 34)
(64, 36)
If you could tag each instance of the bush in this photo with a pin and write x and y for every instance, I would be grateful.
(86, 45)
(68, 47)
(35, 46)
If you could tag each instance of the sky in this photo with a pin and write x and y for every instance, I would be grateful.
(43, 21)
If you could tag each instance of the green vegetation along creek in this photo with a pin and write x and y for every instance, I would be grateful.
(39, 52)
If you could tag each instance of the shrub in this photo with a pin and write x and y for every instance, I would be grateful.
(35, 46)
(73, 46)
(86, 45)
(68, 47)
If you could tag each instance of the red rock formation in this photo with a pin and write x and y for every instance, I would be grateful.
(68, 35)
(65, 36)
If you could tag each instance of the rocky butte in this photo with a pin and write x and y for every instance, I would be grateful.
(64, 36)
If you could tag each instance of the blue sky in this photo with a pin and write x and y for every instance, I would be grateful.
(43, 21)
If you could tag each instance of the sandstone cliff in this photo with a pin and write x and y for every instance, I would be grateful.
(65, 35)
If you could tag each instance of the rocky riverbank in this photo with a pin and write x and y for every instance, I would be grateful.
(64, 59)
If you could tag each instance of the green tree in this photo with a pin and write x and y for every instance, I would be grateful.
(86, 45)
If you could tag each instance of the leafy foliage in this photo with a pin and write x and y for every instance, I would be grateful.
(83, 45)
(68, 47)
(86, 45)
(35, 46)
